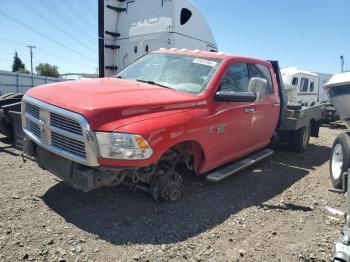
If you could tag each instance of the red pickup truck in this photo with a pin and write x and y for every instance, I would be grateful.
(198, 109)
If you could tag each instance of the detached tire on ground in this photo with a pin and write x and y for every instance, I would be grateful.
(340, 159)
(299, 140)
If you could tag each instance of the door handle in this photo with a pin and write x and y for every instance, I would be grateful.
(276, 105)
(249, 110)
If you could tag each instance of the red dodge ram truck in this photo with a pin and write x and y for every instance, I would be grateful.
(197, 109)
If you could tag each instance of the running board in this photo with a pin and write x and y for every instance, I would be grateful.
(231, 169)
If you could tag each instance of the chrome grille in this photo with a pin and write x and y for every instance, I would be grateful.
(65, 123)
(60, 131)
(71, 145)
(34, 128)
(33, 110)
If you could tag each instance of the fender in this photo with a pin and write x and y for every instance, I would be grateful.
(163, 133)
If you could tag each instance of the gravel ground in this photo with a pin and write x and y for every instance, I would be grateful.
(274, 211)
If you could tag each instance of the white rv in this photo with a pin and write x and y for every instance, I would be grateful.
(305, 87)
(131, 29)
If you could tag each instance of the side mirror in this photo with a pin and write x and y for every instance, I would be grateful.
(229, 96)
(258, 86)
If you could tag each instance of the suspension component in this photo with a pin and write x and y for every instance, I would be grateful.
(161, 179)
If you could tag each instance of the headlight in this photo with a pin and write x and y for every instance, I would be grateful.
(123, 146)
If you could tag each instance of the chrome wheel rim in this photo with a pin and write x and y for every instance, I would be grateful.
(337, 161)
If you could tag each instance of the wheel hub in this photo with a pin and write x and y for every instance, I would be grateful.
(167, 187)
(337, 161)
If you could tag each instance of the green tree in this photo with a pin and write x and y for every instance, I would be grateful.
(23, 71)
(45, 69)
(17, 63)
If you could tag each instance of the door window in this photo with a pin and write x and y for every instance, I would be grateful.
(236, 78)
(261, 71)
(304, 84)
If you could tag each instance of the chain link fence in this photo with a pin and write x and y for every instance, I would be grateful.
(19, 83)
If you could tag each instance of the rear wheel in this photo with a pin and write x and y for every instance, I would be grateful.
(299, 140)
(340, 160)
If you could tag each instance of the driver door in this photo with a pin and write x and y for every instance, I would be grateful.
(233, 120)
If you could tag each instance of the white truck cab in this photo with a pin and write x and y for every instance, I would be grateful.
(131, 29)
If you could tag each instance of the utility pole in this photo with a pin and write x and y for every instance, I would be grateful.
(31, 62)
(342, 64)
(31, 57)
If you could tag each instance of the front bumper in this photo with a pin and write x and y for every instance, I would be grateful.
(78, 176)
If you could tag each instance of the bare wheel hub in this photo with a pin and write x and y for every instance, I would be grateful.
(167, 187)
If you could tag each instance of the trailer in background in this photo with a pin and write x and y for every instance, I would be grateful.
(305, 87)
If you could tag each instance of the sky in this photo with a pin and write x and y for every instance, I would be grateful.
(309, 34)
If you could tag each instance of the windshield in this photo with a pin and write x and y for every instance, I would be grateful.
(189, 74)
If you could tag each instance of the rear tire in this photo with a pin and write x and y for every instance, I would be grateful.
(340, 160)
(299, 140)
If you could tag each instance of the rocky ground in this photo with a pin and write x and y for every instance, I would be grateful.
(275, 211)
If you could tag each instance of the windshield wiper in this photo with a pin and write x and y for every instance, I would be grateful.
(152, 83)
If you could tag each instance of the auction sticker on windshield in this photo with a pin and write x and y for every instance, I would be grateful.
(204, 62)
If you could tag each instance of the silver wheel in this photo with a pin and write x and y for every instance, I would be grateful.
(337, 161)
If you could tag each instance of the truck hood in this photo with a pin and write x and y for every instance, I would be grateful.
(104, 101)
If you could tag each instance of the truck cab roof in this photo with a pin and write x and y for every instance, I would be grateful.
(212, 55)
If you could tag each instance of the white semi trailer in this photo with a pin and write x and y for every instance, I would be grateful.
(131, 29)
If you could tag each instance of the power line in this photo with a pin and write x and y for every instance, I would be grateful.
(39, 15)
(44, 36)
(90, 9)
(93, 7)
(8, 60)
(12, 41)
(48, 52)
(7, 53)
(77, 13)
(66, 19)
